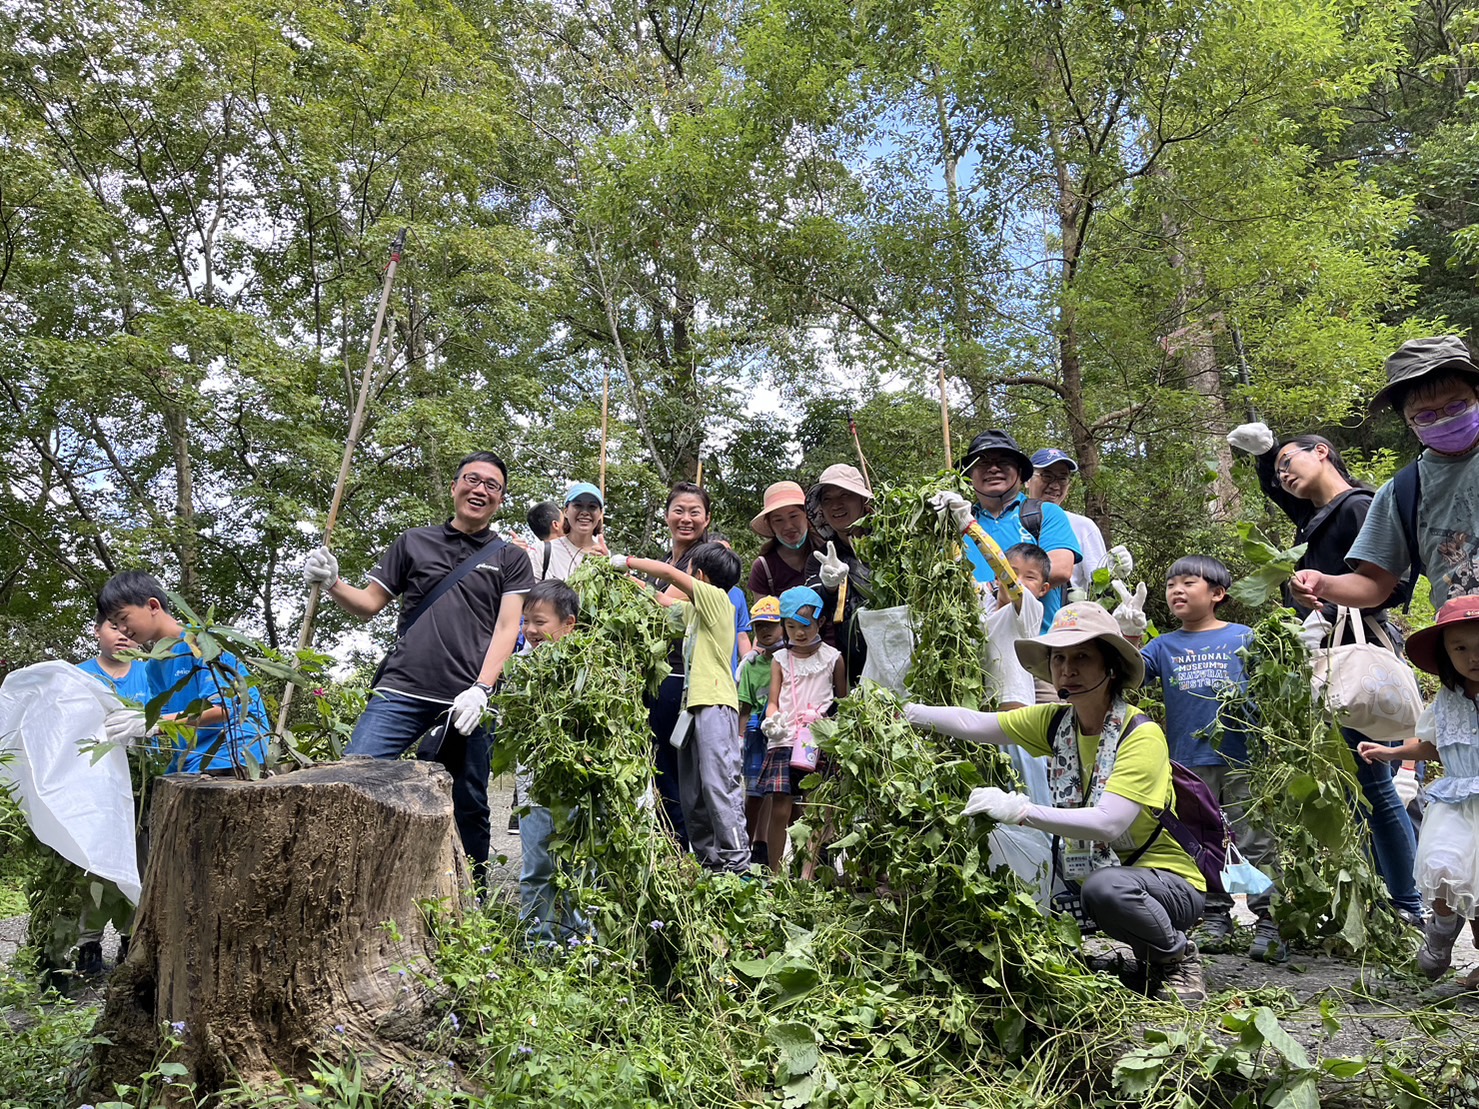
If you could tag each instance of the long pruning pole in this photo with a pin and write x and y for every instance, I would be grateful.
(944, 410)
(356, 426)
(605, 403)
(852, 425)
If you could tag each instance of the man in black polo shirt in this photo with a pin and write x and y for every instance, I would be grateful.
(445, 663)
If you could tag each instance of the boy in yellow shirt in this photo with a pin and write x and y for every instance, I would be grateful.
(710, 782)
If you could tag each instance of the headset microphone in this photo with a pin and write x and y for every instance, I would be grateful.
(1064, 692)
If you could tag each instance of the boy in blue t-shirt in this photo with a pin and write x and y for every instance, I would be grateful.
(226, 732)
(123, 676)
(1194, 664)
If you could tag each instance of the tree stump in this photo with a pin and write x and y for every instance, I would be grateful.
(281, 919)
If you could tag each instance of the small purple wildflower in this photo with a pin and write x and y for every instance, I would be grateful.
(525, 1049)
(657, 926)
(456, 1024)
(493, 976)
(339, 1028)
(178, 1028)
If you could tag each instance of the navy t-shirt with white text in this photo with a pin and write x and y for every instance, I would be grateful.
(1193, 667)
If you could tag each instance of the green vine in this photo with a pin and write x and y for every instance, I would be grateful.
(1304, 784)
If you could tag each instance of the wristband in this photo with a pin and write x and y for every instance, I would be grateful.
(484, 686)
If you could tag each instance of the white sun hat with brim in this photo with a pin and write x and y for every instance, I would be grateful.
(1078, 623)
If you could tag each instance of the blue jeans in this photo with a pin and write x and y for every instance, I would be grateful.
(392, 722)
(1392, 839)
(544, 921)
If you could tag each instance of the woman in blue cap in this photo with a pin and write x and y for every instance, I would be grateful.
(578, 533)
(807, 677)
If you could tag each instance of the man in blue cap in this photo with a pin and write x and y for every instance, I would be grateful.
(1052, 472)
(997, 467)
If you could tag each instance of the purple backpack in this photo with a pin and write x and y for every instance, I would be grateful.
(1197, 824)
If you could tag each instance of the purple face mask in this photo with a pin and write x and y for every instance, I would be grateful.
(1453, 435)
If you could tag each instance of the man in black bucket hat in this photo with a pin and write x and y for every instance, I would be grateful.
(997, 467)
(1426, 519)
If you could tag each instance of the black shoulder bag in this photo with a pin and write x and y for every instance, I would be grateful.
(440, 590)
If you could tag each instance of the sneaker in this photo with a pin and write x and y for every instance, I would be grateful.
(1413, 918)
(1436, 954)
(1267, 946)
(89, 962)
(1216, 931)
(1179, 981)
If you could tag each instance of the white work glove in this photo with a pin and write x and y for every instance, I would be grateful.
(833, 571)
(774, 727)
(124, 726)
(998, 804)
(750, 656)
(1253, 438)
(1121, 562)
(1075, 595)
(619, 562)
(1316, 629)
(956, 507)
(468, 709)
(322, 568)
(1130, 615)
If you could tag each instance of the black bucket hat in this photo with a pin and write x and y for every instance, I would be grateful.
(1418, 358)
(995, 439)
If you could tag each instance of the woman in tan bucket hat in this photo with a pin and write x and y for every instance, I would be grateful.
(839, 502)
(1109, 772)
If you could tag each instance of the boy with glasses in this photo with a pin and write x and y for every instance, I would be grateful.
(1434, 384)
(462, 597)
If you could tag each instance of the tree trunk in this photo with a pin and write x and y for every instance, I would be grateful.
(281, 919)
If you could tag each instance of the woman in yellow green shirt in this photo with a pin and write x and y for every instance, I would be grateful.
(1109, 774)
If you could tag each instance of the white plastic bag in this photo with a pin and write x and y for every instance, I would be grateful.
(51, 717)
(1368, 687)
(889, 634)
(1029, 854)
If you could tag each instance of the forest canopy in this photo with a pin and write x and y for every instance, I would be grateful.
(1117, 228)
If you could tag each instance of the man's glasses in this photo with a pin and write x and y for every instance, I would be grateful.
(1282, 468)
(472, 481)
(1429, 416)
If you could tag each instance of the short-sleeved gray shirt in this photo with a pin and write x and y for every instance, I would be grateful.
(443, 652)
(1447, 527)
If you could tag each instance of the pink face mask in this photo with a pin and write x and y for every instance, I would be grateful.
(1454, 435)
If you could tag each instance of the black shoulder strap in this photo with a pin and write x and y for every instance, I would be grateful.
(458, 572)
(1326, 511)
(1407, 491)
(1031, 517)
(548, 548)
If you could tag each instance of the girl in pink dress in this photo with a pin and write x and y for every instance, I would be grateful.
(806, 677)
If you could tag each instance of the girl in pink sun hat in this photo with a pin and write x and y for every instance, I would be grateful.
(1447, 867)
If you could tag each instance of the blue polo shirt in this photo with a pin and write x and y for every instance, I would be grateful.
(133, 686)
(1057, 535)
(217, 746)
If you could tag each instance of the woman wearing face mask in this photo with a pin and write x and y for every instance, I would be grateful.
(1307, 478)
(783, 522)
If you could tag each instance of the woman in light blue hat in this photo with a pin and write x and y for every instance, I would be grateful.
(578, 534)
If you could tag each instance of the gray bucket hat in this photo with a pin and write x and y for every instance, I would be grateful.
(1420, 357)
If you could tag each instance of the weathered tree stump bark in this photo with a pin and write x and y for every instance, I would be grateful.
(281, 919)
